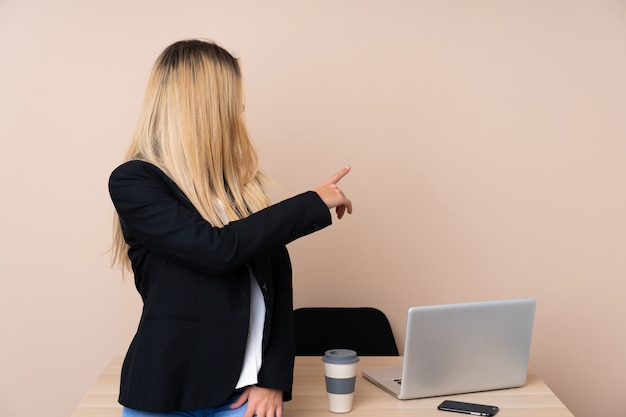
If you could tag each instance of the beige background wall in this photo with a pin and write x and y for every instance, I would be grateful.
(487, 140)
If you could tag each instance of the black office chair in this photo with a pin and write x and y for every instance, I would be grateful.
(365, 330)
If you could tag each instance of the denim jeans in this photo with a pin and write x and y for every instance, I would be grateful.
(223, 410)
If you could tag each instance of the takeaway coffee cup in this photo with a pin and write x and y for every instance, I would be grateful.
(340, 372)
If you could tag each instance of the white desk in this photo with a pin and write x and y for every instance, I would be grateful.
(534, 399)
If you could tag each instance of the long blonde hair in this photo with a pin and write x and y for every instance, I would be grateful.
(192, 127)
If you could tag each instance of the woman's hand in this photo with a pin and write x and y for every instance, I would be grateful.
(262, 402)
(332, 195)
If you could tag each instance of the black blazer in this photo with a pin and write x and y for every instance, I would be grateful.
(195, 286)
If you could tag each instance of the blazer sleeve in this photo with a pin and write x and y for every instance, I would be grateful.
(154, 216)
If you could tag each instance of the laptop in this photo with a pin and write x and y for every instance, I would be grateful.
(460, 348)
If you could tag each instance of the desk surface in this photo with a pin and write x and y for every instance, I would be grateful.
(309, 396)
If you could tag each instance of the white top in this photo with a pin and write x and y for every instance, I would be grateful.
(254, 344)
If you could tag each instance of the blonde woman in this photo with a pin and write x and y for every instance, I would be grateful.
(207, 250)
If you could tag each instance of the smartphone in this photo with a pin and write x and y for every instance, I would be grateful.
(468, 408)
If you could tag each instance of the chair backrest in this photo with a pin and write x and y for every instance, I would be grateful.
(365, 330)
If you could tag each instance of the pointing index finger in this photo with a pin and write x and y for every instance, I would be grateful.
(339, 175)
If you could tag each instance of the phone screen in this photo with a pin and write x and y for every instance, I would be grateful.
(468, 408)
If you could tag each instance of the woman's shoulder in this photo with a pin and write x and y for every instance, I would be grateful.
(137, 167)
(137, 170)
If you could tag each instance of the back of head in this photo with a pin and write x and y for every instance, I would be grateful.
(192, 126)
(196, 81)
(193, 106)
